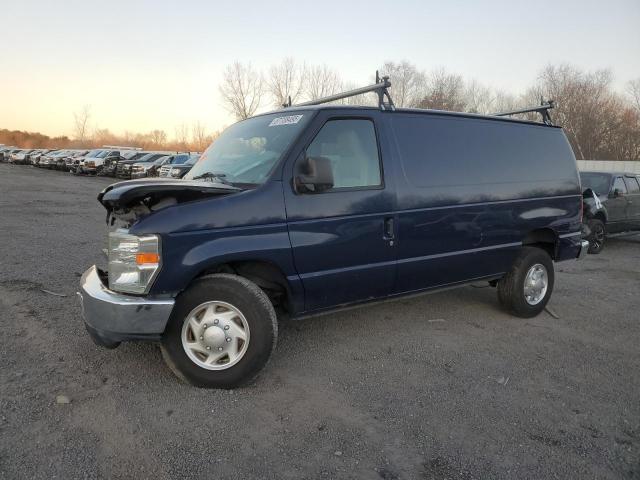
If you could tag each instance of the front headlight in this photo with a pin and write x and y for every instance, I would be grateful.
(133, 261)
(175, 172)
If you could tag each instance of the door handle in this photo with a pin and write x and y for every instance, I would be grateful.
(389, 231)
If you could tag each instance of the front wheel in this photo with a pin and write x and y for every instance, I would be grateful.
(221, 333)
(526, 288)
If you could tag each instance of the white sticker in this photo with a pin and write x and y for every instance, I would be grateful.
(291, 119)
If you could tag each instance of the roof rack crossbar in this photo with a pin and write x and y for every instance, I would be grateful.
(542, 109)
(380, 88)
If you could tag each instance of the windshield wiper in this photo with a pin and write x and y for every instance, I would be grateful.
(221, 177)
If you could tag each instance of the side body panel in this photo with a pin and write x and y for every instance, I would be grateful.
(469, 192)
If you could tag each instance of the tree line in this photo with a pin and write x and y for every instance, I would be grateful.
(600, 123)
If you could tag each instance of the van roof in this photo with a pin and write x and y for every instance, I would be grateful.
(421, 111)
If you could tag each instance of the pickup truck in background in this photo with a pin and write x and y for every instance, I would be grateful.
(611, 205)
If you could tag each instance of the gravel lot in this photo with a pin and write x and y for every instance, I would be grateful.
(444, 386)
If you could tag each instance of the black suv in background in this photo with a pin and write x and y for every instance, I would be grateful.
(179, 166)
(125, 167)
(611, 205)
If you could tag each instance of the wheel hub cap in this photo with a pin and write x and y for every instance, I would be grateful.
(215, 335)
(535, 284)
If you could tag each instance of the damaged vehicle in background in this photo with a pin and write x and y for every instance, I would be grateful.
(611, 203)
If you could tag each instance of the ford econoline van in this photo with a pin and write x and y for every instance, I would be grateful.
(315, 208)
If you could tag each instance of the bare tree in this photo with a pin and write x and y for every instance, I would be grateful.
(199, 139)
(286, 81)
(321, 81)
(633, 89)
(445, 91)
(407, 83)
(158, 138)
(479, 98)
(182, 137)
(81, 124)
(241, 90)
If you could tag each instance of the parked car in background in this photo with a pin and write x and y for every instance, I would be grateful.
(49, 160)
(77, 161)
(179, 166)
(34, 158)
(141, 164)
(611, 205)
(149, 169)
(4, 153)
(316, 208)
(94, 165)
(110, 167)
(69, 160)
(18, 157)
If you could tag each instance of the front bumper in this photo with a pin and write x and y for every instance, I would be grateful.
(111, 318)
(584, 247)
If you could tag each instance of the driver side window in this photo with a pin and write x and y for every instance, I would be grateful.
(618, 184)
(352, 149)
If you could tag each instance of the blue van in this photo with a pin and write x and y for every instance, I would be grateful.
(318, 207)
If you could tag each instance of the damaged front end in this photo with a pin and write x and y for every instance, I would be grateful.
(126, 202)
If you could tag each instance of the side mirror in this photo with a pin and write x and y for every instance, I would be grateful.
(616, 193)
(315, 175)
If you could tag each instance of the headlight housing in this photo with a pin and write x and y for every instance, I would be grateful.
(175, 172)
(134, 261)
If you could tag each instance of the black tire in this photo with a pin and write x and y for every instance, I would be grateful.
(597, 235)
(254, 305)
(511, 287)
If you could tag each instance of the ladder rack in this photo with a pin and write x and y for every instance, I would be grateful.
(542, 109)
(381, 88)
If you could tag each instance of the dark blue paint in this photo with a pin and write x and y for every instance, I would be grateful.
(447, 228)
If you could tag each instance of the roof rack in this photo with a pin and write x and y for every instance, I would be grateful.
(380, 87)
(542, 109)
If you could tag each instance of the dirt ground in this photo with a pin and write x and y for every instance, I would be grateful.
(444, 386)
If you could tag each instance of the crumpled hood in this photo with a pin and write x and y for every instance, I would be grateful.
(128, 194)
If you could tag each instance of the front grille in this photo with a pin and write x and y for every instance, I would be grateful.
(164, 171)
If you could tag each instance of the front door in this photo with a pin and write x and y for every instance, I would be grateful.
(617, 206)
(633, 202)
(343, 238)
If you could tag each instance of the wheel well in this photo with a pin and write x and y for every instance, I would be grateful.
(264, 274)
(544, 238)
(601, 216)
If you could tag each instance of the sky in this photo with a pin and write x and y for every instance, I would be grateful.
(144, 65)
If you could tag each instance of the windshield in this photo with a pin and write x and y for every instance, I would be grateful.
(598, 182)
(247, 151)
(103, 154)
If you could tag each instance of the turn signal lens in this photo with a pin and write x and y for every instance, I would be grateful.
(147, 258)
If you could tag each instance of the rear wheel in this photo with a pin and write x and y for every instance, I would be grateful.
(221, 332)
(525, 290)
(597, 235)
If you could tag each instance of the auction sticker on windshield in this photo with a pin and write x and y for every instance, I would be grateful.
(291, 119)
